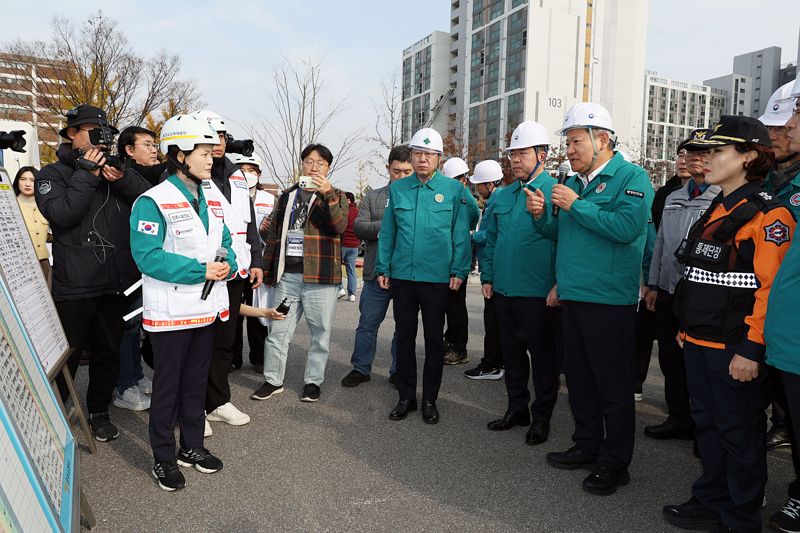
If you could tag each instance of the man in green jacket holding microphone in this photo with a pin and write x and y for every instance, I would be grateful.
(601, 233)
(424, 248)
(518, 272)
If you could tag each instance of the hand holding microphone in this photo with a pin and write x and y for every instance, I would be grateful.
(217, 270)
(563, 172)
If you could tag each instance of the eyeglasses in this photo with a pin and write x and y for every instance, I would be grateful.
(423, 154)
(312, 163)
(519, 154)
(148, 145)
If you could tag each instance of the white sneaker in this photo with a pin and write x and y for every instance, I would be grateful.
(145, 385)
(352, 298)
(229, 414)
(342, 294)
(207, 432)
(132, 398)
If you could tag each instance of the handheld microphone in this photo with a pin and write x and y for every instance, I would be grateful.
(563, 171)
(222, 253)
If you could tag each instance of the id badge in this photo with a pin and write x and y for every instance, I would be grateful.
(294, 243)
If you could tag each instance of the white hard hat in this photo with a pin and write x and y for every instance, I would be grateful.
(427, 139)
(587, 115)
(780, 106)
(239, 159)
(455, 167)
(212, 118)
(186, 132)
(796, 88)
(527, 134)
(487, 172)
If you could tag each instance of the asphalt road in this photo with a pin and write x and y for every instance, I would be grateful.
(341, 465)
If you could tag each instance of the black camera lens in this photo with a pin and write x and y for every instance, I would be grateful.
(14, 140)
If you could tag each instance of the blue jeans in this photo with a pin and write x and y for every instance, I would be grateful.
(349, 256)
(318, 302)
(372, 307)
(130, 359)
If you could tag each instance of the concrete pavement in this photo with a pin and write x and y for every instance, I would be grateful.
(341, 465)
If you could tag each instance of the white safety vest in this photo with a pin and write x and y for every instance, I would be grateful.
(174, 306)
(236, 214)
(263, 205)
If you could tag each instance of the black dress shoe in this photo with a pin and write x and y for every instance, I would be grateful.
(430, 415)
(538, 433)
(605, 479)
(776, 438)
(402, 409)
(509, 420)
(691, 515)
(669, 430)
(571, 459)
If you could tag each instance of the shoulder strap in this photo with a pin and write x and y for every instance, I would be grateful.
(743, 214)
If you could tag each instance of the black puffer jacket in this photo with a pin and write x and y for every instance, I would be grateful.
(89, 218)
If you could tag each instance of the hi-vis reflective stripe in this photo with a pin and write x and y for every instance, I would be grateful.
(184, 322)
(182, 205)
(741, 280)
(173, 137)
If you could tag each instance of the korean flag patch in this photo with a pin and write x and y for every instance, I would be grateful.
(148, 228)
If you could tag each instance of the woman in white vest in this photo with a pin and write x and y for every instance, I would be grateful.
(177, 240)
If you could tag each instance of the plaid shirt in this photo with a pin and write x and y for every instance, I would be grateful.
(322, 253)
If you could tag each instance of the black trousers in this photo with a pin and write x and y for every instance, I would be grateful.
(778, 399)
(492, 356)
(181, 360)
(598, 350)
(95, 324)
(219, 391)
(791, 388)
(256, 334)
(457, 333)
(730, 422)
(526, 327)
(409, 298)
(645, 337)
(670, 360)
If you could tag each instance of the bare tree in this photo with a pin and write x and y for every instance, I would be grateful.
(300, 116)
(97, 65)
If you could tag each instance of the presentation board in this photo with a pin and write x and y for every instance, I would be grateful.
(26, 282)
(38, 453)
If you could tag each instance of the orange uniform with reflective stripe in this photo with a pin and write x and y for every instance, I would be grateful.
(762, 242)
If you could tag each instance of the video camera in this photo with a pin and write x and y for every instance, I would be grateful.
(232, 146)
(103, 138)
(15, 140)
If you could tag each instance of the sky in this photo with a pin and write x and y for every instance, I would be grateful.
(230, 47)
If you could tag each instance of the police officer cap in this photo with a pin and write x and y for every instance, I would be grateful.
(733, 129)
(86, 114)
(695, 135)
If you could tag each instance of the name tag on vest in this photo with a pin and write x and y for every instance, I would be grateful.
(709, 251)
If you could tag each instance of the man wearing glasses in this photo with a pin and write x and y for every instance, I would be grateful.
(424, 251)
(303, 261)
(137, 148)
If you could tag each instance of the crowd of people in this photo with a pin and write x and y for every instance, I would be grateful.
(580, 273)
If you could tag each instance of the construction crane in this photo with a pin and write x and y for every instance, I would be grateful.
(440, 103)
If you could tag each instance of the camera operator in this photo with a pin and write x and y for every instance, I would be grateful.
(227, 191)
(87, 203)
